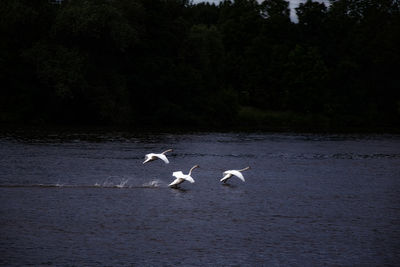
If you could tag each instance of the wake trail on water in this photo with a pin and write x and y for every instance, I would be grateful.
(124, 183)
(153, 184)
(111, 182)
(114, 181)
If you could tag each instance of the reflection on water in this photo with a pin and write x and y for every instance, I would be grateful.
(308, 200)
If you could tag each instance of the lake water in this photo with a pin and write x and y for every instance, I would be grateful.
(308, 200)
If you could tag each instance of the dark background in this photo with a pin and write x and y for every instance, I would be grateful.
(172, 63)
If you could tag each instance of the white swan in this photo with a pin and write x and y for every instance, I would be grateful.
(180, 177)
(154, 156)
(228, 174)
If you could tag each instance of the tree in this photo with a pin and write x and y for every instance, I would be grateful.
(305, 80)
(275, 9)
(312, 22)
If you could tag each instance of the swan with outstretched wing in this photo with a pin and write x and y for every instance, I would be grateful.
(229, 173)
(180, 177)
(153, 156)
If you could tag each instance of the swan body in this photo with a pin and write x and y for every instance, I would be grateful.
(153, 156)
(229, 173)
(180, 177)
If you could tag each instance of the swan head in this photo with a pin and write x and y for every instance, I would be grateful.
(194, 167)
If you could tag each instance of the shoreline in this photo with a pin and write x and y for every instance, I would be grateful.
(149, 129)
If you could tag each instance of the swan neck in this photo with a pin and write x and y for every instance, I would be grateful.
(169, 150)
(244, 169)
(194, 167)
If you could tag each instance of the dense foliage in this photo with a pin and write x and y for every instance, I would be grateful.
(174, 63)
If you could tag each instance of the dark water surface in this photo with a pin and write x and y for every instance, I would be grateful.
(308, 200)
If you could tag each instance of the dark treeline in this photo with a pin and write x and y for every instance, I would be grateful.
(166, 63)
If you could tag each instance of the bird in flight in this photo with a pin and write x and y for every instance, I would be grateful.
(180, 177)
(229, 173)
(153, 156)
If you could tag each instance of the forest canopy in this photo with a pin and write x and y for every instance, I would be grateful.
(171, 63)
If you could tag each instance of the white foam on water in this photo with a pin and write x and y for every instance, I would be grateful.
(59, 184)
(153, 183)
(123, 183)
(113, 181)
(110, 182)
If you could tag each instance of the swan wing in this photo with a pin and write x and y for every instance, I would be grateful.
(147, 158)
(162, 157)
(178, 174)
(176, 181)
(189, 178)
(238, 174)
(226, 177)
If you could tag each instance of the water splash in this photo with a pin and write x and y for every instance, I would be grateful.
(123, 183)
(110, 182)
(153, 184)
(59, 184)
(113, 181)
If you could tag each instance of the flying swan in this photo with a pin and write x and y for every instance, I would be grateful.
(228, 174)
(154, 156)
(180, 177)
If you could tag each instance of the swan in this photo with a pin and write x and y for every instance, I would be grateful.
(180, 177)
(154, 156)
(228, 174)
